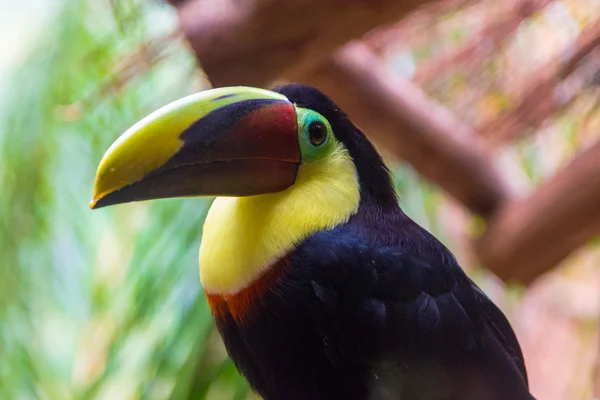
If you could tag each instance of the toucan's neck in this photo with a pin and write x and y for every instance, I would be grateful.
(375, 181)
(243, 237)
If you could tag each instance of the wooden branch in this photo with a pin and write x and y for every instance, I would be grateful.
(252, 42)
(483, 44)
(530, 236)
(399, 116)
(541, 100)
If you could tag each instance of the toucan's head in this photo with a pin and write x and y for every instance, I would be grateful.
(283, 164)
(234, 142)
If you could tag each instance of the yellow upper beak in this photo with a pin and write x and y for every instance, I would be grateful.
(234, 141)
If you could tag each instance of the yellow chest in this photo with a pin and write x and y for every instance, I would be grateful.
(244, 236)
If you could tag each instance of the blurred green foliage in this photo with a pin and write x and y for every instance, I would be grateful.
(97, 304)
(106, 304)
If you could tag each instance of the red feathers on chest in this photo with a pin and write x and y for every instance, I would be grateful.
(242, 304)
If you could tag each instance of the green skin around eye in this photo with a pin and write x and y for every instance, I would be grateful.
(309, 151)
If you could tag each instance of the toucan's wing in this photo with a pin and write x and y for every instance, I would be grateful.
(412, 308)
(497, 322)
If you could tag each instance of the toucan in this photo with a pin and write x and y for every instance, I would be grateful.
(321, 287)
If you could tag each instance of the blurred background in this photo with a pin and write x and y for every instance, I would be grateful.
(108, 305)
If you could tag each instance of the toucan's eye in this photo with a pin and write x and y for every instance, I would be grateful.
(317, 133)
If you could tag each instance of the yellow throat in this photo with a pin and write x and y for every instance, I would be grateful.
(244, 236)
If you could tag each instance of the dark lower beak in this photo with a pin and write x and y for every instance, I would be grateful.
(222, 142)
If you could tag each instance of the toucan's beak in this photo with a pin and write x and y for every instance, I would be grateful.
(236, 141)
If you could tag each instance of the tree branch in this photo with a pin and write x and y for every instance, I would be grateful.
(528, 237)
(252, 42)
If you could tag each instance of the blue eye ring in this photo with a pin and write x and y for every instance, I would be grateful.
(317, 133)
